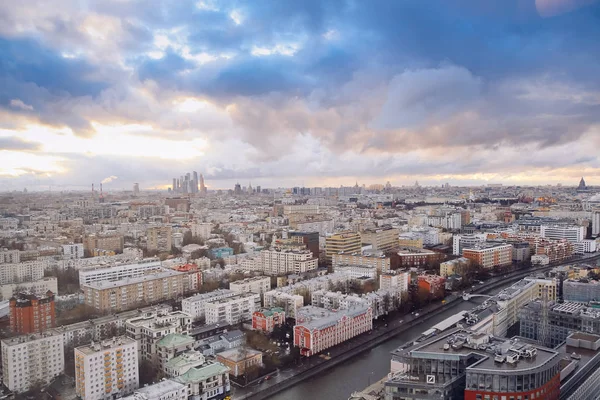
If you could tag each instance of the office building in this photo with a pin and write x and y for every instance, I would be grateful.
(345, 242)
(195, 305)
(381, 239)
(414, 258)
(117, 272)
(318, 329)
(159, 238)
(128, 293)
(289, 302)
(460, 242)
(30, 359)
(573, 234)
(489, 255)
(357, 271)
(377, 260)
(462, 364)
(309, 239)
(232, 310)
(39, 287)
(107, 369)
(32, 314)
(268, 318)
(584, 290)
(256, 284)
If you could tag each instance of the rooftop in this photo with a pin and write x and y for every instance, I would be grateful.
(199, 374)
(312, 317)
(100, 285)
(113, 343)
(156, 390)
(239, 354)
(175, 340)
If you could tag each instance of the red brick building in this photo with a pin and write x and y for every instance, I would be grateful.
(434, 284)
(265, 320)
(32, 314)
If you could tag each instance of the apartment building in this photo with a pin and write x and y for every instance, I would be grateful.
(22, 272)
(151, 326)
(73, 250)
(238, 361)
(411, 257)
(117, 272)
(29, 359)
(128, 293)
(106, 370)
(208, 381)
(573, 234)
(201, 229)
(357, 271)
(289, 302)
(377, 260)
(195, 305)
(257, 284)
(39, 287)
(318, 329)
(32, 314)
(396, 281)
(344, 242)
(382, 239)
(489, 255)
(283, 262)
(159, 238)
(104, 241)
(232, 310)
(9, 256)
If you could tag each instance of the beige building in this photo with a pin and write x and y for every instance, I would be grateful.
(128, 293)
(347, 242)
(107, 369)
(256, 284)
(281, 262)
(382, 263)
(159, 238)
(382, 239)
(406, 241)
(457, 266)
(109, 242)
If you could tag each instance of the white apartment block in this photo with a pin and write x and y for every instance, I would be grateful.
(106, 370)
(323, 226)
(282, 262)
(394, 282)
(22, 272)
(573, 234)
(10, 256)
(201, 229)
(232, 310)
(585, 246)
(73, 250)
(257, 284)
(595, 223)
(117, 272)
(163, 390)
(288, 301)
(38, 287)
(29, 359)
(195, 305)
(357, 271)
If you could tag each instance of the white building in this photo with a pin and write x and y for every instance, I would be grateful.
(118, 272)
(195, 305)
(394, 281)
(596, 222)
(460, 242)
(10, 256)
(107, 369)
(201, 229)
(164, 390)
(288, 301)
(29, 359)
(232, 310)
(357, 271)
(73, 250)
(281, 262)
(22, 272)
(257, 284)
(585, 246)
(206, 382)
(38, 287)
(573, 234)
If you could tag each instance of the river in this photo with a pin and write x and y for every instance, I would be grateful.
(339, 382)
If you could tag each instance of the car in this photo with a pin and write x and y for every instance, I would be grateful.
(401, 321)
(267, 377)
(417, 314)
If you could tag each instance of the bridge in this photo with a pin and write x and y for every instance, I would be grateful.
(466, 296)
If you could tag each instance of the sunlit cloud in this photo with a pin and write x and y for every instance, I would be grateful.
(16, 163)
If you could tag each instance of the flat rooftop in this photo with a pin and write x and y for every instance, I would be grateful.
(101, 285)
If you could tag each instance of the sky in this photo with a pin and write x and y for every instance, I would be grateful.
(286, 93)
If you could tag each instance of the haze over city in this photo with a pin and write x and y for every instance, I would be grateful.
(298, 93)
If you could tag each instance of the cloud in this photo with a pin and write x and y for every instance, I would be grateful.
(16, 103)
(109, 179)
(13, 143)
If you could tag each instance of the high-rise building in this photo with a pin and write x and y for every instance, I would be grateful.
(175, 188)
(159, 238)
(310, 239)
(202, 185)
(596, 222)
(347, 242)
(195, 182)
(237, 189)
(32, 314)
(383, 239)
(107, 369)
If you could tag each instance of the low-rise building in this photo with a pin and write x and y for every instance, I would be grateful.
(171, 346)
(414, 258)
(106, 369)
(287, 301)
(268, 318)
(164, 390)
(209, 381)
(457, 266)
(117, 272)
(357, 271)
(344, 242)
(238, 361)
(377, 260)
(395, 281)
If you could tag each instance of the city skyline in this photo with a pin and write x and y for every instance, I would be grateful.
(299, 94)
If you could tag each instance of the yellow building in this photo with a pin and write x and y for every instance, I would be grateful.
(159, 238)
(347, 242)
(382, 239)
(408, 242)
(457, 266)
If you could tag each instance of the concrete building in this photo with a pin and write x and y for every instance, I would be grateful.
(32, 314)
(163, 390)
(9, 256)
(382, 239)
(357, 271)
(521, 252)
(318, 329)
(395, 281)
(596, 222)
(128, 293)
(460, 242)
(573, 234)
(39, 287)
(107, 369)
(457, 266)
(581, 290)
(201, 229)
(29, 359)
(289, 302)
(240, 360)
(195, 305)
(257, 284)
(232, 310)
(27, 271)
(489, 255)
(268, 318)
(377, 260)
(170, 346)
(118, 272)
(283, 262)
(159, 238)
(462, 364)
(112, 241)
(414, 258)
(345, 242)
(73, 250)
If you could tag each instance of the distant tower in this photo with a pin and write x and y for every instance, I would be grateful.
(238, 189)
(582, 187)
(544, 329)
(136, 189)
(174, 185)
(202, 185)
(195, 182)
(101, 194)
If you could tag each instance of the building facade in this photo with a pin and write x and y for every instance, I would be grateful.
(283, 262)
(117, 272)
(257, 284)
(345, 242)
(489, 255)
(159, 238)
(378, 260)
(195, 305)
(266, 319)
(32, 314)
(232, 310)
(381, 239)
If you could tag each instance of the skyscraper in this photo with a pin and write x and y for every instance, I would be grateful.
(136, 189)
(238, 189)
(195, 182)
(175, 185)
(202, 186)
